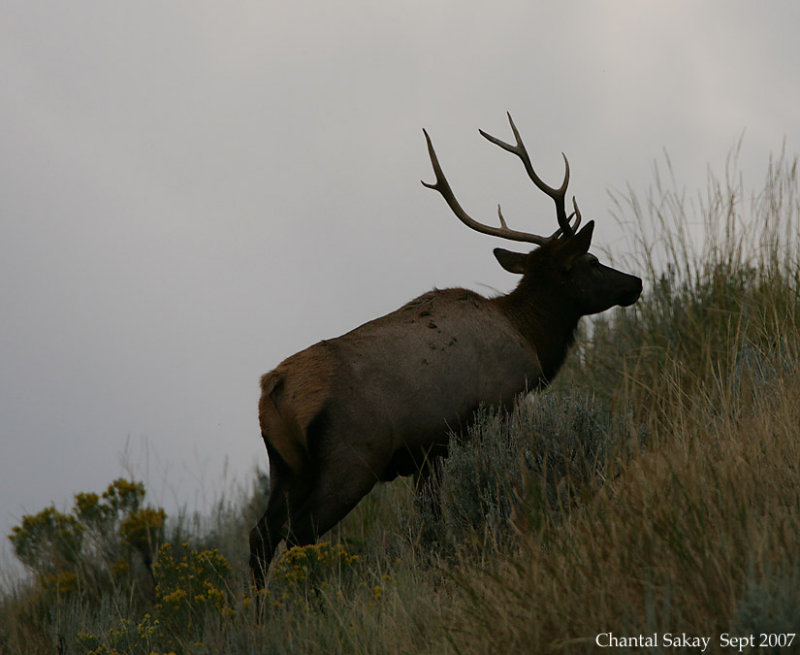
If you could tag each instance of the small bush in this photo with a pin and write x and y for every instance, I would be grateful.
(93, 546)
(522, 470)
(304, 570)
(771, 604)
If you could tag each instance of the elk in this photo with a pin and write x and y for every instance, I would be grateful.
(381, 400)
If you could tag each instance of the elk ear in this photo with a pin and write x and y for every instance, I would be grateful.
(578, 245)
(513, 262)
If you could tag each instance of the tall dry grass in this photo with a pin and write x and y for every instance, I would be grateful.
(696, 533)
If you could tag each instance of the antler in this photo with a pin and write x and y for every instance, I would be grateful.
(442, 186)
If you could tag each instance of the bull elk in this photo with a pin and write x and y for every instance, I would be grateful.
(381, 400)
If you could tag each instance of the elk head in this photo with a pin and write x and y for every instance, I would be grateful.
(560, 272)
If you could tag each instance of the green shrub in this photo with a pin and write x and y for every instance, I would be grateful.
(93, 546)
(521, 470)
(771, 604)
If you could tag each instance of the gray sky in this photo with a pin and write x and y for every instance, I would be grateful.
(192, 191)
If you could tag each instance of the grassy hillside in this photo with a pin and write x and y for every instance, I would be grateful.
(655, 488)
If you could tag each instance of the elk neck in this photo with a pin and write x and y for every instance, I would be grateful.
(545, 319)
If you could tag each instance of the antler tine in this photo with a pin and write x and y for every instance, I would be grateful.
(443, 186)
(557, 194)
(576, 214)
(573, 226)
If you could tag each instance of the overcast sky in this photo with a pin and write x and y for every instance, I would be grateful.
(192, 191)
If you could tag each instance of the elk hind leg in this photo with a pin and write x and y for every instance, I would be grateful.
(336, 493)
(287, 493)
(265, 537)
